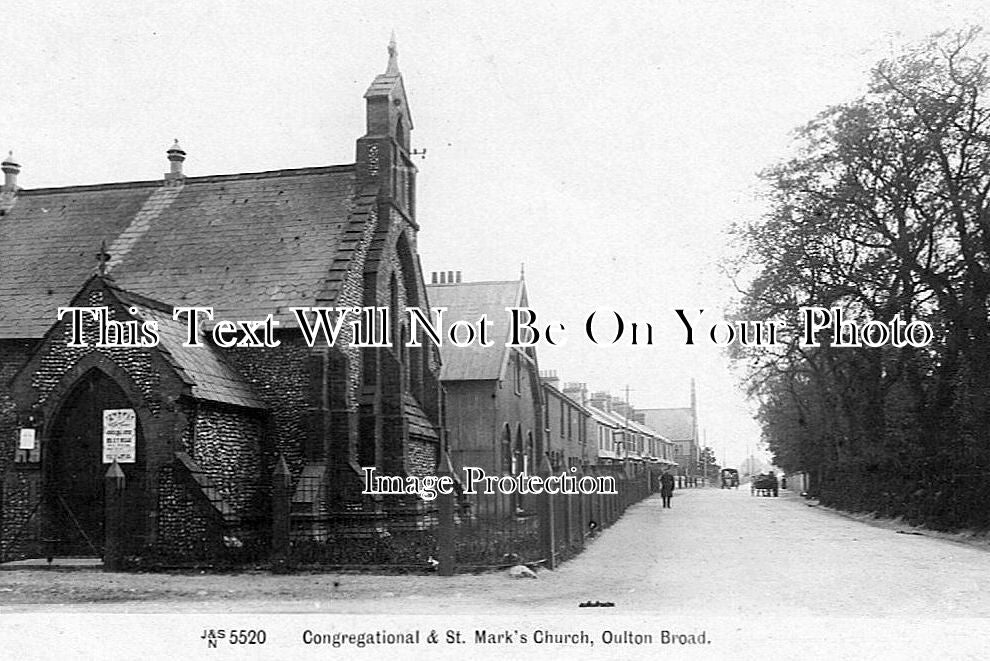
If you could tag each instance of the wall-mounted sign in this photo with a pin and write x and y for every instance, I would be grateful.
(28, 440)
(119, 436)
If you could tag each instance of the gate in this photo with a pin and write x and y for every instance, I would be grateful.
(69, 510)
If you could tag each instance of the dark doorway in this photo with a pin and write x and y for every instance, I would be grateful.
(75, 469)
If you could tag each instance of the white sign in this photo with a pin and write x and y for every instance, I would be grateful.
(119, 436)
(27, 440)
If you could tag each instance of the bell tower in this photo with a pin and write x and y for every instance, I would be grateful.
(383, 158)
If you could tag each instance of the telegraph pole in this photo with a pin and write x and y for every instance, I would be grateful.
(627, 434)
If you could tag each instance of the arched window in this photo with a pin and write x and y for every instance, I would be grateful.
(533, 466)
(519, 456)
(393, 309)
(506, 450)
(404, 357)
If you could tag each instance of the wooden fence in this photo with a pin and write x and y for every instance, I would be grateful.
(479, 531)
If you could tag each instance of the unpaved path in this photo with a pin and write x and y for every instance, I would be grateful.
(715, 553)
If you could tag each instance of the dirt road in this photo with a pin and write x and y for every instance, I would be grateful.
(715, 552)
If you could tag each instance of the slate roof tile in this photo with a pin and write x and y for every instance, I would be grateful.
(215, 241)
(468, 301)
(203, 368)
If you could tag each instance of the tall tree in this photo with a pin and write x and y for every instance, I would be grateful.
(884, 213)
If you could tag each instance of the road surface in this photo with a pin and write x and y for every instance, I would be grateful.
(715, 552)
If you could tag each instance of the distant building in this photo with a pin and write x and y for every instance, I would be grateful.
(494, 399)
(680, 426)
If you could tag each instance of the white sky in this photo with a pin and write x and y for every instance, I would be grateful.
(605, 145)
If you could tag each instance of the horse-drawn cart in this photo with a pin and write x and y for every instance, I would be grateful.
(764, 485)
(730, 478)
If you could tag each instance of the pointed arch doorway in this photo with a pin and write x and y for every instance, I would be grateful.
(75, 467)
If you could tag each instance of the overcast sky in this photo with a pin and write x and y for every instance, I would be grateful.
(604, 145)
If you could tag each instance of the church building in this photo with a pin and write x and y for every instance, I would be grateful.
(198, 420)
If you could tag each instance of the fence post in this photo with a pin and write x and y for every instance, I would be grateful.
(615, 503)
(281, 504)
(605, 501)
(446, 534)
(113, 489)
(569, 511)
(582, 518)
(594, 503)
(548, 529)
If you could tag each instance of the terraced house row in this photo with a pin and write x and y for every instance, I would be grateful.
(505, 414)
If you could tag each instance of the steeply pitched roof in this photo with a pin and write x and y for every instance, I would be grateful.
(419, 423)
(245, 244)
(675, 424)
(468, 301)
(205, 371)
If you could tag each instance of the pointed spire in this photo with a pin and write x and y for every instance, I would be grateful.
(393, 56)
(522, 270)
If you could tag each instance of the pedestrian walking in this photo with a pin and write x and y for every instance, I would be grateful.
(666, 488)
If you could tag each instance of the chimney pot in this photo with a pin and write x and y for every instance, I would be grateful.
(458, 276)
(11, 169)
(443, 277)
(433, 278)
(450, 277)
(176, 155)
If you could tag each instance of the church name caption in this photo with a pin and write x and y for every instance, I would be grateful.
(368, 327)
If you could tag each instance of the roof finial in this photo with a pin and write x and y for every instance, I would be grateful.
(393, 56)
(103, 257)
(522, 270)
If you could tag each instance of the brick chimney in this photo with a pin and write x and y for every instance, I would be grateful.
(176, 156)
(445, 277)
(601, 401)
(550, 377)
(11, 169)
(577, 391)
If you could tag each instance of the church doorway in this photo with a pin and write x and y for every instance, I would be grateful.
(75, 466)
